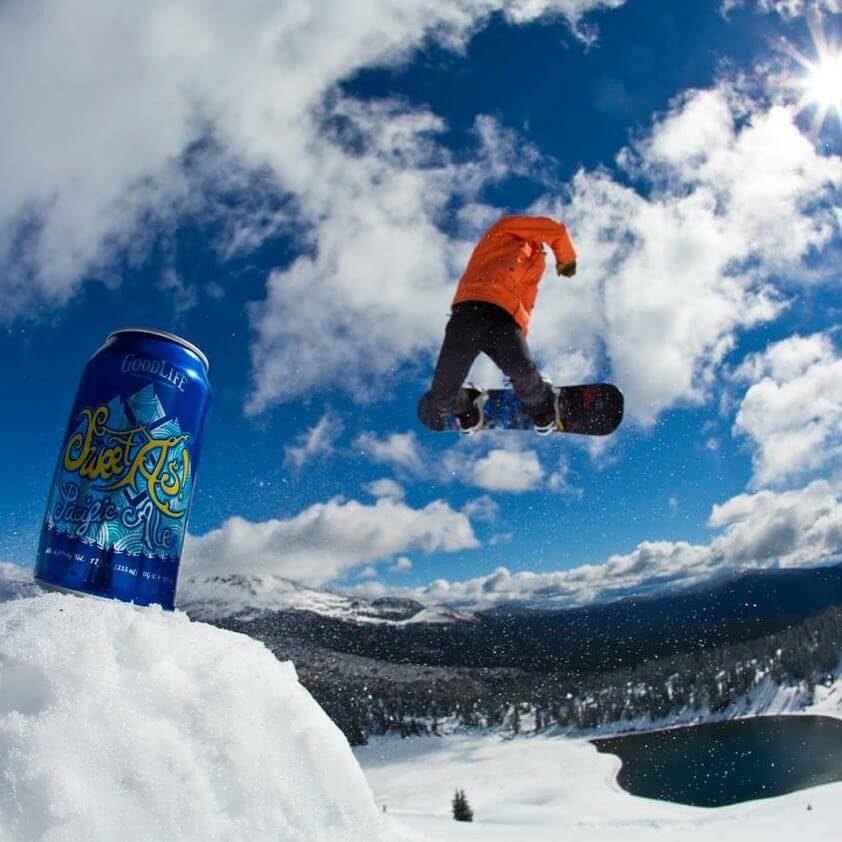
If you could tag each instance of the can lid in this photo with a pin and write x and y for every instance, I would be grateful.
(166, 335)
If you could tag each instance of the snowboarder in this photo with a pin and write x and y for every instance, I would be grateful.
(490, 313)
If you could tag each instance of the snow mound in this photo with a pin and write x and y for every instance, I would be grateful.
(118, 722)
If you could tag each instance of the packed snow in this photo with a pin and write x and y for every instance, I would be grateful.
(548, 788)
(118, 722)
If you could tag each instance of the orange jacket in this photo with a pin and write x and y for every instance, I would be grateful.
(508, 262)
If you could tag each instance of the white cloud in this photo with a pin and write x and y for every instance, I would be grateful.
(796, 8)
(787, 9)
(482, 508)
(504, 462)
(317, 441)
(763, 530)
(496, 461)
(793, 412)
(105, 101)
(788, 359)
(401, 565)
(215, 290)
(328, 540)
(400, 450)
(651, 567)
(481, 462)
(791, 528)
(559, 479)
(183, 296)
(368, 572)
(738, 196)
(374, 292)
(666, 277)
(507, 470)
(386, 487)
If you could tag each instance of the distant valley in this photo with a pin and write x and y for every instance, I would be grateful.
(396, 665)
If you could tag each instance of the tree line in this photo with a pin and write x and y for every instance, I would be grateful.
(660, 688)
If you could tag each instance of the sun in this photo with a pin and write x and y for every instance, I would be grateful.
(822, 86)
(818, 80)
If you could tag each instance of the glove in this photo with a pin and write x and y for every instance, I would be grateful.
(566, 269)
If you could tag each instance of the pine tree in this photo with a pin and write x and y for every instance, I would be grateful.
(515, 720)
(462, 811)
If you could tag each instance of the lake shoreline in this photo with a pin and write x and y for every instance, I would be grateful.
(656, 772)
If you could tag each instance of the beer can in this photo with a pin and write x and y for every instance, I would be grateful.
(118, 507)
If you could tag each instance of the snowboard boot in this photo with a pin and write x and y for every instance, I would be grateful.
(472, 420)
(548, 420)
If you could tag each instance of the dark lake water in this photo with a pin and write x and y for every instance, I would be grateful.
(721, 763)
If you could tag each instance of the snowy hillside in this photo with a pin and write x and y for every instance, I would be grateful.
(247, 597)
(124, 723)
(546, 789)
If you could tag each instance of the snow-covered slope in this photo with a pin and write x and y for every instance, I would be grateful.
(549, 788)
(766, 698)
(118, 722)
(247, 597)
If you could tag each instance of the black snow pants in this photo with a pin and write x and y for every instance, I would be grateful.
(481, 327)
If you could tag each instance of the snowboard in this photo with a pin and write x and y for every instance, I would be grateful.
(592, 409)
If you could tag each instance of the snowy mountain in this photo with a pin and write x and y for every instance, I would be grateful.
(649, 660)
(16, 582)
(593, 638)
(247, 598)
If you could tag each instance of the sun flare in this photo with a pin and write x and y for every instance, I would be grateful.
(818, 82)
(823, 83)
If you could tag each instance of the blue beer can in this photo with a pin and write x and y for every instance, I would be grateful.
(118, 507)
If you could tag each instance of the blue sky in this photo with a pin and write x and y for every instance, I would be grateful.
(297, 194)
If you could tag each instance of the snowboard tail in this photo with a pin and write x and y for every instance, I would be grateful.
(591, 409)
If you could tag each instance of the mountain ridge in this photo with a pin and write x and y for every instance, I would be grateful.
(248, 598)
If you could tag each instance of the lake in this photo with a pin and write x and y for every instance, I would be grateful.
(721, 763)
